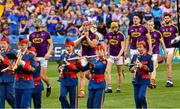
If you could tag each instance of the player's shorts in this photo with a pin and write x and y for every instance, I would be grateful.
(118, 62)
(170, 51)
(43, 61)
(133, 52)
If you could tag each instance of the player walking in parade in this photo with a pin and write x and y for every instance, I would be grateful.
(88, 44)
(136, 33)
(157, 39)
(115, 47)
(169, 32)
(43, 44)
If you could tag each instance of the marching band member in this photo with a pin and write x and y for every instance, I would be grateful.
(143, 64)
(42, 41)
(96, 78)
(23, 76)
(88, 44)
(37, 92)
(69, 79)
(169, 32)
(6, 78)
(157, 39)
(115, 47)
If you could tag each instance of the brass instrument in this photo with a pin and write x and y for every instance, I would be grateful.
(14, 65)
(2, 49)
(136, 66)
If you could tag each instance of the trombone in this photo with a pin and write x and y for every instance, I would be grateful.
(14, 65)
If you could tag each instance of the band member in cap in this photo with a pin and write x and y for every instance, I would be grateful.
(115, 47)
(43, 44)
(96, 78)
(24, 67)
(169, 32)
(69, 79)
(143, 64)
(88, 44)
(37, 92)
(157, 39)
(6, 78)
(137, 32)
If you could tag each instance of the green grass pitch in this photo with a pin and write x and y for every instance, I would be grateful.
(161, 97)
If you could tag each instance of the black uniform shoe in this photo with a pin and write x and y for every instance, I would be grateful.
(169, 84)
(48, 91)
(152, 86)
(108, 91)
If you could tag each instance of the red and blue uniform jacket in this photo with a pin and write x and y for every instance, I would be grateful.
(142, 75)
(97, 80)
(6, 76)
(69, 75)
(24, 74)
(37, 79)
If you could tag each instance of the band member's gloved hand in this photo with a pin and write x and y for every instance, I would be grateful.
(22, 63)
(84, 62)
(138, 64)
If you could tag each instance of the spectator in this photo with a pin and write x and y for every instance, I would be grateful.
(147, 13)
(166, 7)
(13, 21)
(23, 23)
(60, 29)
(116, 15)
(1, 8)
(52, 22)
(102, 28)
(124, 23)
(157, 13)
(43, 16)
(72, 30)
(106, 16)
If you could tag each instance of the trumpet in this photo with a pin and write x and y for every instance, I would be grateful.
(14, 65)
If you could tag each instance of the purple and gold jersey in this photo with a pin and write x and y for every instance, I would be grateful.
(86, 48)
(137, 33)
(168, 33)
(39, 40)
(114, 41)
(155, 37)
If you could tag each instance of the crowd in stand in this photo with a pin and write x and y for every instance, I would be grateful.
(65, 17)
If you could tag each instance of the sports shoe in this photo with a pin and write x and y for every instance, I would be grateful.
(118, 91)
(48, 91)
(108, 91)
(168, 84)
